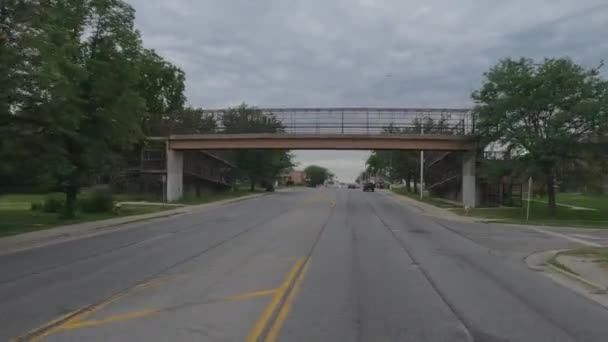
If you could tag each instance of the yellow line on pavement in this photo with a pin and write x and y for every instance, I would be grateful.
(259, 326)
(48, 324)
(275, 329)
(75, 318)
(252, 294)
(114, 318)
(63, 322)
(152, 283)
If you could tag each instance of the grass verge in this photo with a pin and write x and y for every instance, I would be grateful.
(16, 216)
(539, 215)
(17, 221)
(599, 202)
(438, 202)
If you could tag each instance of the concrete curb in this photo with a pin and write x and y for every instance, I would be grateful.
(539, 262)
(29, 240)
(599, 289)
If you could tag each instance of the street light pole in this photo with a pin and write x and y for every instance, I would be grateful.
(391, 168)
(421, 165)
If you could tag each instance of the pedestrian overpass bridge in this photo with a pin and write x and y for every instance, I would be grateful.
(433, 129)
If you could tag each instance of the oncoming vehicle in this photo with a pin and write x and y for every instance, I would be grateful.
(369, 186)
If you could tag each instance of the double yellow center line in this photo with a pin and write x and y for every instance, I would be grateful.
(269, 325)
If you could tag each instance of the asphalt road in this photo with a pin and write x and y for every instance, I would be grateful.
(307, 265)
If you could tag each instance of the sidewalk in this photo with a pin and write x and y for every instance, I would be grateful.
(429, 209)
(37, 238)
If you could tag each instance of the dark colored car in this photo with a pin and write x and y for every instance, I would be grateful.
(369, 186)
(352, 186)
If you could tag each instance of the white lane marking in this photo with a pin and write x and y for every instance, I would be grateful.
(567, 237)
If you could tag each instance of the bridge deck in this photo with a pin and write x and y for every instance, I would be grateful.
(322, 142)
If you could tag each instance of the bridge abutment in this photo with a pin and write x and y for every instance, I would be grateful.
(175, 175)
(469, 184)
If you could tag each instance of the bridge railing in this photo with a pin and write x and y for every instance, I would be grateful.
(371, 121)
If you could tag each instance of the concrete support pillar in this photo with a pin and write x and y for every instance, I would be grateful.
(175, 175)
(469, 184)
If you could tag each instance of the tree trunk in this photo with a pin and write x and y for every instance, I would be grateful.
(415, 187)
(408, 186)
(252, 185)
(70, 202)
(550, 192)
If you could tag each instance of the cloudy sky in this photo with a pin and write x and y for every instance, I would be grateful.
(314, 53)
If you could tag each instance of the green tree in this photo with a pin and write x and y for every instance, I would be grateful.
(161, 85)
(257, 166)
(18, 79)
(405, 165)
(548, 111)
(377, 164)
(317, 175)
(79, 106)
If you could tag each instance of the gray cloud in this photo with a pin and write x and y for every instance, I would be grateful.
(360, 53)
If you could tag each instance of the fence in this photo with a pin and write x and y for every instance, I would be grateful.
(444, 121)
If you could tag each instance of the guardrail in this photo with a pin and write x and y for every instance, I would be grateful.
(338, 120)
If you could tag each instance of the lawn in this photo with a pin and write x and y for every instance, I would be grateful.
(599, 202)
(16, 221)
(22, 201)
(539, 216)
(16, 216)
(438, 202)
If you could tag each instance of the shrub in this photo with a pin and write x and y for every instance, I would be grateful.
(53, 204)
(99, 200)
(36, 206)
(117, 209)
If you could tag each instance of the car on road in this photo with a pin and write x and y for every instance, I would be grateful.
(352, 185)
(369, 186)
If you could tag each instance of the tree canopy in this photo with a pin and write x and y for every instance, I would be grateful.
(77, 89)
(545, 113)
(317, 175)
(257, 166)
(404, 165)
(80, 92)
